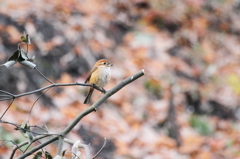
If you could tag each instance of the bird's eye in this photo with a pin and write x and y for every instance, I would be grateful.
(104, 63)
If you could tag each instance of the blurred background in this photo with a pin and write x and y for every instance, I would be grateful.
(186, 106)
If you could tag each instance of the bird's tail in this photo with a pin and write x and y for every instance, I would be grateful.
(88, 98)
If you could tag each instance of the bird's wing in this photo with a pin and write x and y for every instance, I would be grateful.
(89, 76)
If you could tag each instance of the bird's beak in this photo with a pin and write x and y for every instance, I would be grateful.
(110, 64)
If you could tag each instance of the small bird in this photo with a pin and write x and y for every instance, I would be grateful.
(99, 76)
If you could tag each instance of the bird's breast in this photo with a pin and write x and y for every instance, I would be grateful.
(101, 76)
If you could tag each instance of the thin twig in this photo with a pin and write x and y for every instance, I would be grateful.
(5, 96)
(60, 144)
(7, 109)
(7, 141)
(6, 122)
(28, 153)
(4, 99)
(50, 86)
(27, 49)
(85, 112)
(36, 102)
(19, 127)
(104, 144)
(36, 126)
(75, 155)
(10, 94)
(28, 146)
(43, 75)
(57, 85)
(25, 143)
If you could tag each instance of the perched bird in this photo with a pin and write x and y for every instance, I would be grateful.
(99, 76)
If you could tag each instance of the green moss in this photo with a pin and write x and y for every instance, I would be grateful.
(201, 124)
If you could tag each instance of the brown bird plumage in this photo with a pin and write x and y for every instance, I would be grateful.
(99, 76)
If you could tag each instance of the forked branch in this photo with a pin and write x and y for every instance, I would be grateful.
(87, 111)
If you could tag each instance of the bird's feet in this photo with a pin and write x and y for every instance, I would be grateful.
(104, 91)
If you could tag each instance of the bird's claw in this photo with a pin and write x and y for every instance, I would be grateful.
(104, 91)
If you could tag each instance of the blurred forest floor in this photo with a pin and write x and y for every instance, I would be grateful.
(187, 104)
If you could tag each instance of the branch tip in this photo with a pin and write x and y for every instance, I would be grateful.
(82, 114)
(104, 144)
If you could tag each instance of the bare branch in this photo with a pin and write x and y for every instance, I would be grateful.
(6, 122)
(36, 126)
(56, 85)
(4, 99)
(43, 75)
(7, 141)
(60, 145)
(7, 109)
(28, 153)
(75, 155)
(85, 112)
(10, 94)
(36, 102)
(5, 96)
(19, 127)
(25, 143)
(104, 144)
